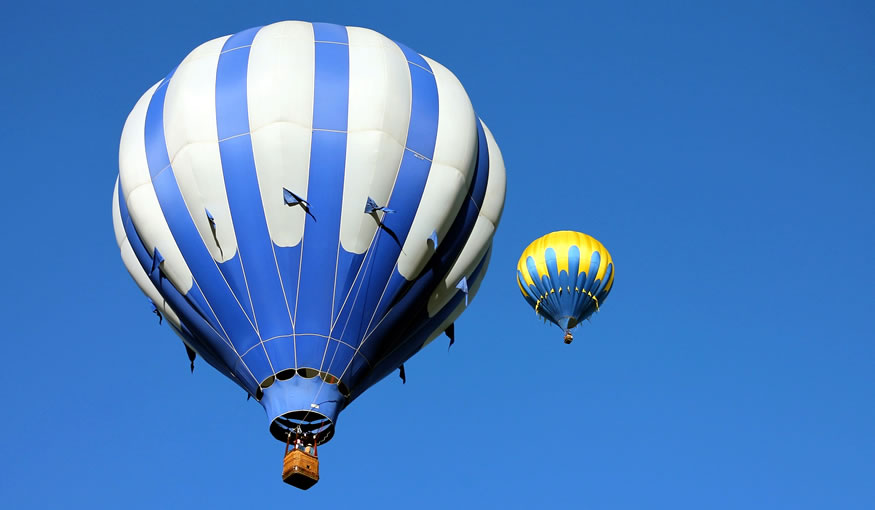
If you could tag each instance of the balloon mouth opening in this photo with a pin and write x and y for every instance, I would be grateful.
(298, 422)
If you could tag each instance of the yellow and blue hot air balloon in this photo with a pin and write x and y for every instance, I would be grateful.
(565, 276)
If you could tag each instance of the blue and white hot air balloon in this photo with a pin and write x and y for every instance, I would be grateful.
(308, 205)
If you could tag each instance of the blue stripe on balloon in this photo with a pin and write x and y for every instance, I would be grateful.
(198, 303)
(419, 291)
(566, 298)
(145, 259)
(581, 280)
(254, 245)
(573, 271)
(584, 298)
(416, 298)
(331, 90)
(415, 295)
(526, 289)
(590, 287)
(598, 286)
(321, 243)
(419, 328)
(600, 283)
(384, 282)
(595, 262)
(203, 268)
(531, 290)
(421, 136)
(573, 264)
(413, 57)
(481, 177)
(603, 290)
(163, 178)
(204, 351)
(193, 298)
(348, 264)
(548, 304)
(256, 360)
(232, 114)
(232, 271)
(331, 33)
(551, 282)
(463, 225)
(556, 296)
(134, 238)
(339, 357)
(527, 293)
(211, 339)
(353, 309)
(532, 268)
(282, 352)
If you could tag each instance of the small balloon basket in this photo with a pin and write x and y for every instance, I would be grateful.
(568, 337)
(300, 467)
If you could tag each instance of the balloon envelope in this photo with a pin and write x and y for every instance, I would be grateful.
(565, 276)
(307, 205)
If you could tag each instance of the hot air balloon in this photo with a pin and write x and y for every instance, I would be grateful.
(565, 276)
(307, 205)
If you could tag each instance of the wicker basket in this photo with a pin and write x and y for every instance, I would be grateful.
(300, 469)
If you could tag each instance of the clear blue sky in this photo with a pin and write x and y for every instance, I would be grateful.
(723, 153)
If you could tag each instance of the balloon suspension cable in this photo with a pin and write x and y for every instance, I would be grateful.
(299, 442)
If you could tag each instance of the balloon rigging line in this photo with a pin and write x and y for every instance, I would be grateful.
(330, 319)
(298, 289)
(392, 193)
(194, 280)
(369, 256)
(249, 295)
(224, 334)
(229, 342)
(334, 287)
(371, 249)
(372, 246)
(151, 183)
(374, 237)
(282, 285)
